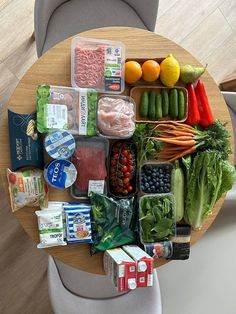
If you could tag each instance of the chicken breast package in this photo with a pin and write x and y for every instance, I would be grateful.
(115, 117)
(90, 160)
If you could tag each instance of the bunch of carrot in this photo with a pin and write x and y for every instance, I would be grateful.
(179, 140)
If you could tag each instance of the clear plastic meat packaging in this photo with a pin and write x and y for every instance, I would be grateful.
(98, 64)
(66, 108)
(115, 116)
(90, 160)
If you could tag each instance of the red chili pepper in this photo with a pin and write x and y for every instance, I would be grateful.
(193, 113)
(206, 116)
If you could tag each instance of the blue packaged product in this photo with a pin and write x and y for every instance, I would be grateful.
(60, 173)
(59, 144)
(78, 223)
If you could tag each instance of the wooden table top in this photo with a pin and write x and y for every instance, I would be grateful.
(54, 68)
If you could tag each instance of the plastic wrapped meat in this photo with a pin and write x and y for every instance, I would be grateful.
(89, 67)
(90, 163)
(115, 117)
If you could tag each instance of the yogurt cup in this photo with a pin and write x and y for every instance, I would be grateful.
(59, 144)
(60, 174)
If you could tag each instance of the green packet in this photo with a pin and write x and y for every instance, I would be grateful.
(112, 222)
(66, 108)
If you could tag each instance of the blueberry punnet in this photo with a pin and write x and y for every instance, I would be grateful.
(155, 178)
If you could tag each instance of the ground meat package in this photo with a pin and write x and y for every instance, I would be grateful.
(98, 64)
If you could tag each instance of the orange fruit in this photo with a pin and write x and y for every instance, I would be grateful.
(151, 70)
(133, 71)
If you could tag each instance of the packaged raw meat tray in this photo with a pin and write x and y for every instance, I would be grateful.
(97, 64)
(90, 160)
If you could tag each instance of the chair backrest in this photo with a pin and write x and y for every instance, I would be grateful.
(230, 99)
(85, 284)
(43, 10)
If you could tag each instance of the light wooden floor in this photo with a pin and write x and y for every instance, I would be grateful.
(207, 28)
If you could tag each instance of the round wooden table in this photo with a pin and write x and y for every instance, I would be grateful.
(54, 68)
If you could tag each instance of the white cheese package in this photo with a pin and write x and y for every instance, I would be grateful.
(78, 223)
(53, 205)
(51, 231)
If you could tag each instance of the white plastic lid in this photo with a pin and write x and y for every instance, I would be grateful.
(132, 284)
(142, 266)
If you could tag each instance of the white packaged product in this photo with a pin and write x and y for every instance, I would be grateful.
(51, 231)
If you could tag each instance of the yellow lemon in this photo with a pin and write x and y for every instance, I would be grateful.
(170, 71)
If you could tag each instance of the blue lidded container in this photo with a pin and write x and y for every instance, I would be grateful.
(59, 144)
(60, 173)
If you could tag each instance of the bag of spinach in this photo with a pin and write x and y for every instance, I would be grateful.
(112, 221)
(208, 176)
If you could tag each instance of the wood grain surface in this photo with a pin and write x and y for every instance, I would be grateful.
(53, 68)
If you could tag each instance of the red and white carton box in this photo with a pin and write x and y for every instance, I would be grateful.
(121, 269)
(144, 263)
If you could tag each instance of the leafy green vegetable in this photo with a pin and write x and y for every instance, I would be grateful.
(156, 217)
(146, 148)
(228, 178)
(109, 227)
(92, 102)
(215, 137)
(207, 178)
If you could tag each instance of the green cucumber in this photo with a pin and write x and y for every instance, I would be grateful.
(158, 106)
(144, 105)
(165, 102)
(181, 113)
(151, 106)
(174, 103)
(177, 188)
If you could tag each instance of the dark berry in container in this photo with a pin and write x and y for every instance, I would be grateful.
(155, 177)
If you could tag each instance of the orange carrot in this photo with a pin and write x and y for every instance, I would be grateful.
(173, 148)
(184, 153)
(176, 132)
(175, 142)
(179, 138)
(182, 124)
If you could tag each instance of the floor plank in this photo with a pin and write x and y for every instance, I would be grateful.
(16, 24)
(22, 58)
(195, 42)
(8, 82)
(165, 6)
(184, 17)
(222, 61)
(228, 8)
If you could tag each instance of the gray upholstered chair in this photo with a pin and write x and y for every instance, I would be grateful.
(56, 20)
(74, 291)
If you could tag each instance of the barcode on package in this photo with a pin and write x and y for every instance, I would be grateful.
(56, 116)
(132, 269)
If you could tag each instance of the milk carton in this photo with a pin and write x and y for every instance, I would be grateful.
(144, 265)
(121, 269)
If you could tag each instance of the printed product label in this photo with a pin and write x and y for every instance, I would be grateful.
(78, 227)
(56, 116)
(96, 186)
(61, 173)
(113, 68)
(150, 280)
(50, 228)
(83, 112)
(31, 186)
(59, 144)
